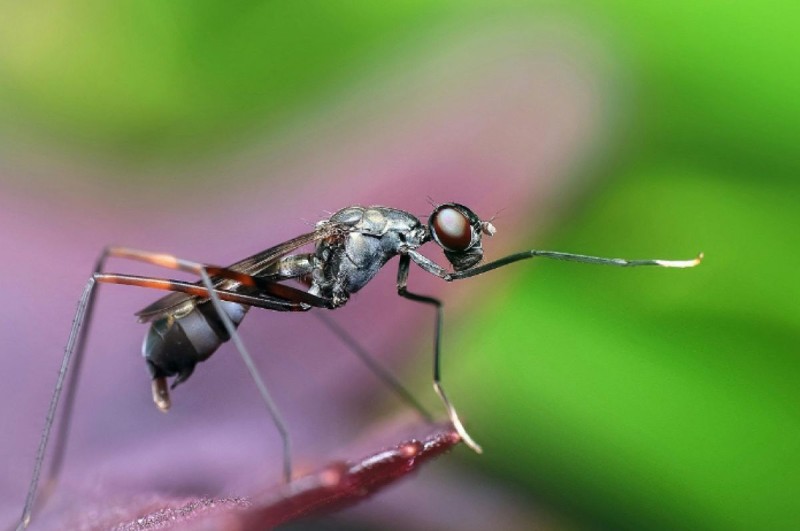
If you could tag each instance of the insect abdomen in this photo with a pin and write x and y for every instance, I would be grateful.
(175, 344)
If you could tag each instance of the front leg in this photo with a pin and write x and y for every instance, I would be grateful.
(402, 281)
(425, 263)
(435, 269)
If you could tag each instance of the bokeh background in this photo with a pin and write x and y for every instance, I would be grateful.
(604, 398)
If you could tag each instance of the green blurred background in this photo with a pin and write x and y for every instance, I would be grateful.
(669, 404)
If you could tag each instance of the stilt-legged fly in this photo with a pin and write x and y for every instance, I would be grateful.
(188, 325)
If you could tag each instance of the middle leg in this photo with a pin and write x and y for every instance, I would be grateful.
(402, 281)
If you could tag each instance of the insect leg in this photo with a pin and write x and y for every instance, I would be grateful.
(73, 354)
(84, 303)
(207, 290)
(373, 365)
(173, 262)
(217, 296)
(402, 281)
(249, 297)
(74, 349)
(264, 285)
(569, 257)
(254, 374)
(435, 269)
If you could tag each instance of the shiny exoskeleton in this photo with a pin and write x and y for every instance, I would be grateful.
(362, 240)
(189, 325)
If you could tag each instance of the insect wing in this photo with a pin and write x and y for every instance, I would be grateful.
(251, 265)
(167, 304)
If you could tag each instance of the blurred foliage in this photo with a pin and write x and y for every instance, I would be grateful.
(715, 81)
(651, 398)
(634, 398)
(149, 80)
(665, 399)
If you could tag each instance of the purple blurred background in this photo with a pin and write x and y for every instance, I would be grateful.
(498, 122)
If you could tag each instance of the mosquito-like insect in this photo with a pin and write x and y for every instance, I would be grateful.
(190, 324)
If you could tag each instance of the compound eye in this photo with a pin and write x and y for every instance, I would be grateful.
(452, 229)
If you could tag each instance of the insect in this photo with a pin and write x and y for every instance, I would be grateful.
(350, 247)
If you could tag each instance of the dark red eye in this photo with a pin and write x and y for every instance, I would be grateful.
(452, 229)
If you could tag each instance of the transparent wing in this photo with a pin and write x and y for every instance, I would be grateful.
(252, 265)
(170, 303)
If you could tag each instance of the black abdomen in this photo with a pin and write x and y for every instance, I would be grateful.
(174, 344)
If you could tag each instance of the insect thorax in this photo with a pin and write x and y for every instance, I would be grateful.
(347, 263)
